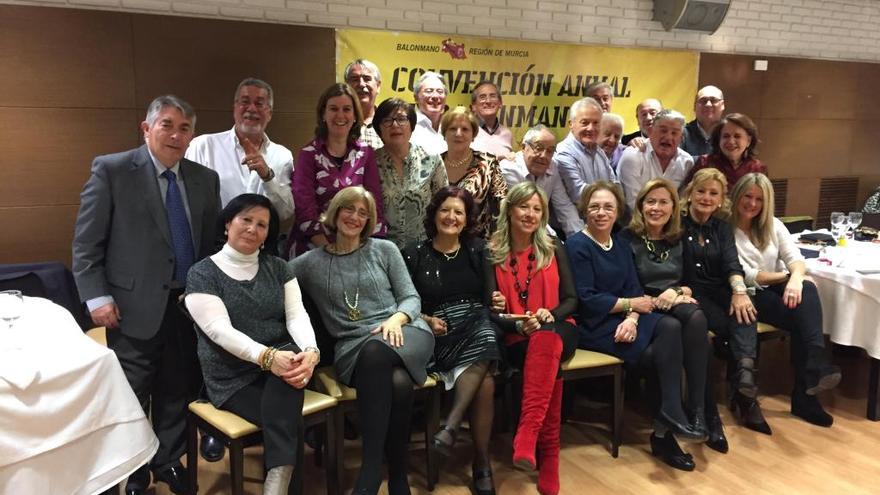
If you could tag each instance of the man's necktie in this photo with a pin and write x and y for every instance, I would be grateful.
(181, 235)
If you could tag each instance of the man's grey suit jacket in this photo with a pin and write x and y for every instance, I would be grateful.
(122, 244)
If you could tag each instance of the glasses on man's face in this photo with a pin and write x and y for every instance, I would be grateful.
(596, 208)
(709, 100)
(247, 102)
(541, 149)
(488, 97)
(433, 91)
(401, 121)
(355, 211)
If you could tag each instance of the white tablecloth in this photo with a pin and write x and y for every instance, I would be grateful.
(69, 421)
(850, 295)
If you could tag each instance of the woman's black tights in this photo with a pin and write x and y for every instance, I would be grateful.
(664, 355)
(384, 401)
(695, 347)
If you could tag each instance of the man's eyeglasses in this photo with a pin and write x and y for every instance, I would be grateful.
(541, 149)
(400, 121)
(488, 97)
(709, 100)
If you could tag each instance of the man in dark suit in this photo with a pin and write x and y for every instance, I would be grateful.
(146, 215)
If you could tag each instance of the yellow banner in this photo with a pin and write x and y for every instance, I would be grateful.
(538, 81)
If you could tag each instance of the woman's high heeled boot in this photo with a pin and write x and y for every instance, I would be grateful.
(539, 373)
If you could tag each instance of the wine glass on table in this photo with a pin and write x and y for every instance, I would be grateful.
(855, 219)
(11, 306)
(838, 221)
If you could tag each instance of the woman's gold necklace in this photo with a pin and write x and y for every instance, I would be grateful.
(460, 163)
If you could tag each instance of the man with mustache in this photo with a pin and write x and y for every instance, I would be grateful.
(363, 76)
(244, 157)
(535, 163)
(578, 157)
(661, 157)
(708, 109)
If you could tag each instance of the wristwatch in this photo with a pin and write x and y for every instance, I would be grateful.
(271, 174)
(678, 290)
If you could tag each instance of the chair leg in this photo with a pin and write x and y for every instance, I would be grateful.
(874, 389)
(568, 390)
(337, 437)
(236, 467)
(616, 411)
(192, 453)
(432, 424)
(331, 462)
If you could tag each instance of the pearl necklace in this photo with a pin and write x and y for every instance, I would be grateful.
(605, 247)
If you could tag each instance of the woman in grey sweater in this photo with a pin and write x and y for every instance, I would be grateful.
(369, 306)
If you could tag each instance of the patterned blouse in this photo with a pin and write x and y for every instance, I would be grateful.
(406, 197)
(486, 183)
(317, 177)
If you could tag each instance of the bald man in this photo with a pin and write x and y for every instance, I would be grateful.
(708, 108)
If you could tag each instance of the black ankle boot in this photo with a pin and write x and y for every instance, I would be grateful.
(717, 441)
(745, 380)
(820, 374)
(667, 449)
(808, 408)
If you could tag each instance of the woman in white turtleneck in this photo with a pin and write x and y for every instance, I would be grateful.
(256, 344)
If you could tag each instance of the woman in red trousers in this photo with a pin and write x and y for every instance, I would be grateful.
(531, 271)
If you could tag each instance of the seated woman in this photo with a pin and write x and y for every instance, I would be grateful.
(614, 316)
(654, 235)
(369, 305)
(447, 271)
(714, 274)
(531, 272)
(410, 175)
(734, 149)
(475, 171)
(335, 159)
(784, 295)
(255, 341)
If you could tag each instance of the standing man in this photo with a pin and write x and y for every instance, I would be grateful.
(146, 215)
(645, 112)
(661, 157)
(535, 163)
(430, 94)
(708, 108)
(244, 157)
(492, 137)
(602, 92)
(578, 157)
(363, 76)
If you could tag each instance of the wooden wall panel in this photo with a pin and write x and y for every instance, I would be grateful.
(810, 89)
(52, 170)
(803, 197)
(42, 233)
(65, 58)
(805, 148)
(203, 60)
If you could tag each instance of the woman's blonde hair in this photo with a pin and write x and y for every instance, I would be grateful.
(701, 177)
(456, 113)
(761, 228)
(501, 241)
(345, 198)
(672, 229)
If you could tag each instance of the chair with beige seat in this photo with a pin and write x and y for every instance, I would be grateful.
(237, 434)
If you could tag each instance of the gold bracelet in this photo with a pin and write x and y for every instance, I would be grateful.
(268, 358)
(627, 307)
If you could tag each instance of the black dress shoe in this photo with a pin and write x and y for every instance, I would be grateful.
(135, 491)
(698, 421)
(748, 412)
(176, 478)
(683, 432)
(138, 481)
(481, 481)
(717, 441)
(212, 450)
(668, 451)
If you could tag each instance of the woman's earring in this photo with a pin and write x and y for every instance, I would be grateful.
(225, 232)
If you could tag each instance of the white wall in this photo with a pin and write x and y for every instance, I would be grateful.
(836, 30)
